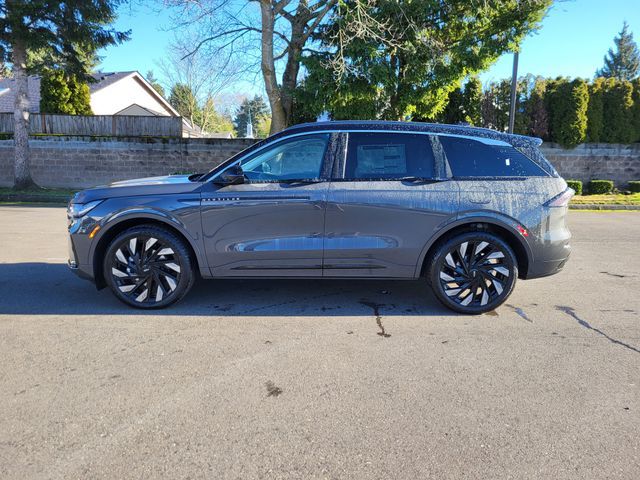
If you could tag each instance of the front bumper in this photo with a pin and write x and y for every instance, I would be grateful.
(79, 244)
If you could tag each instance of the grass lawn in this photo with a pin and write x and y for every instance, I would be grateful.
(606, 199)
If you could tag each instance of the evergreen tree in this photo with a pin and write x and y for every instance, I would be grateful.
(80, 96)
(257, 108)
(536, 111)
(68, 28)
(153, 81)
(636, 110)
(55, 93)
(595, 111)
(63, 93)
(411, 55)
(617, 103)
(567, 103)
(185, 102)
(453, 113)
(624, 63)
(472, 101)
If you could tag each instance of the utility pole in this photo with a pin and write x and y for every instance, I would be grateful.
(514, 87)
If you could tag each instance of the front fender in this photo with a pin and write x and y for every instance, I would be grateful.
(187, 224)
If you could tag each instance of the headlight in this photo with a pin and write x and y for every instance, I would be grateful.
(77, 210)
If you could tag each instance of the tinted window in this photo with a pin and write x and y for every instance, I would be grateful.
(294, 159)
(471, 158)
(388, 155)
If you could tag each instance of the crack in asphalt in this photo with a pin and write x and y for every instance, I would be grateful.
(614, 274)
(376, 311)
(572, 313)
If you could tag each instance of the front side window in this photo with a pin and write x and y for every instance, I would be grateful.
(293, 159)
(471, 158)
(388, 156)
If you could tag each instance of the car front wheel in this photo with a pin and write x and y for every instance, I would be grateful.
(148, 267)
(473, 272)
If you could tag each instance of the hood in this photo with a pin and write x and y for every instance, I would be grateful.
(166, 185)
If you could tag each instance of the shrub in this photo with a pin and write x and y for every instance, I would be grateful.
(595, 114)
(636, 110)
(617, 101)
(567, 104)
(63, 93)
(600, 186)
(634, 186)
(576, 185)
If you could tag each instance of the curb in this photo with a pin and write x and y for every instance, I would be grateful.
(594, 206)
(34, 198)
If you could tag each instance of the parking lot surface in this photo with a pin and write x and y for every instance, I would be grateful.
(306, 379)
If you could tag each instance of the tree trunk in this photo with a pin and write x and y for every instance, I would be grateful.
(22, 174)
(290, 75)
(278, 117)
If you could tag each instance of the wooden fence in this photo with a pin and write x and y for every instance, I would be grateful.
(98, 125)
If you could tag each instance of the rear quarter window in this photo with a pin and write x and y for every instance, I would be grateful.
(471, 158)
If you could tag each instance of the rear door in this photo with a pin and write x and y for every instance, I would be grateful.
(387, 197)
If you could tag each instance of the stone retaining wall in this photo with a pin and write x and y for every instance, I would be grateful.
(76, 162)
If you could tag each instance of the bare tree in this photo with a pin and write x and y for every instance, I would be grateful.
(204, 76)
(270, 39)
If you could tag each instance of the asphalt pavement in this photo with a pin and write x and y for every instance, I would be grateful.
(320, 379)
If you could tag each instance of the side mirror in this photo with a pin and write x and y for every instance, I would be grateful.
(231, 176)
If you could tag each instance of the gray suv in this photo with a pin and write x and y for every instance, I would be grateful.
(467, 209)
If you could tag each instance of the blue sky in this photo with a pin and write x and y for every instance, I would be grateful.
(572, 41)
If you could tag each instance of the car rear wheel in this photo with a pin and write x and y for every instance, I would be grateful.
(473, 272)
(148, 267)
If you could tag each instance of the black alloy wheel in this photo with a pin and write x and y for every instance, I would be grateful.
(148, 267)
(473, 272)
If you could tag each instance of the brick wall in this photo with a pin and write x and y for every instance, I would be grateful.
(589, 161)
(76, 162)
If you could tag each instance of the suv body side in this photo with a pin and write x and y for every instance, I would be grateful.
(333, 225)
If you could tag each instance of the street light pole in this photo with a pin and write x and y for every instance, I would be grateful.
(514, 86)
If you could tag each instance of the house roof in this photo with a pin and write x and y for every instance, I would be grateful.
(106, 79)
(8, 97)
(102, 80)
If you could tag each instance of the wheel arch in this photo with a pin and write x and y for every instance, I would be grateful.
(124, 222)
(500, 228)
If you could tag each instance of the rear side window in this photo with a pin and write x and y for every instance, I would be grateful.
(471, 158)
(388, 156)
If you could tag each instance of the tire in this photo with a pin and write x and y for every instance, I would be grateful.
(148, 267)
(473, 273)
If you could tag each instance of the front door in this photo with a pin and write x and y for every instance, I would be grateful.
(386, 200)
(272, 224)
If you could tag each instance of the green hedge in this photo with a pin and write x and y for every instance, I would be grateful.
(600, 186)
(569, 111)
(576, 185)
(634, 186)
(567, 103)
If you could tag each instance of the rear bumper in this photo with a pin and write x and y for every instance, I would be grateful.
(552, 261)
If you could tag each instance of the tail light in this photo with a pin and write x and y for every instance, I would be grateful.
(561, 200)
